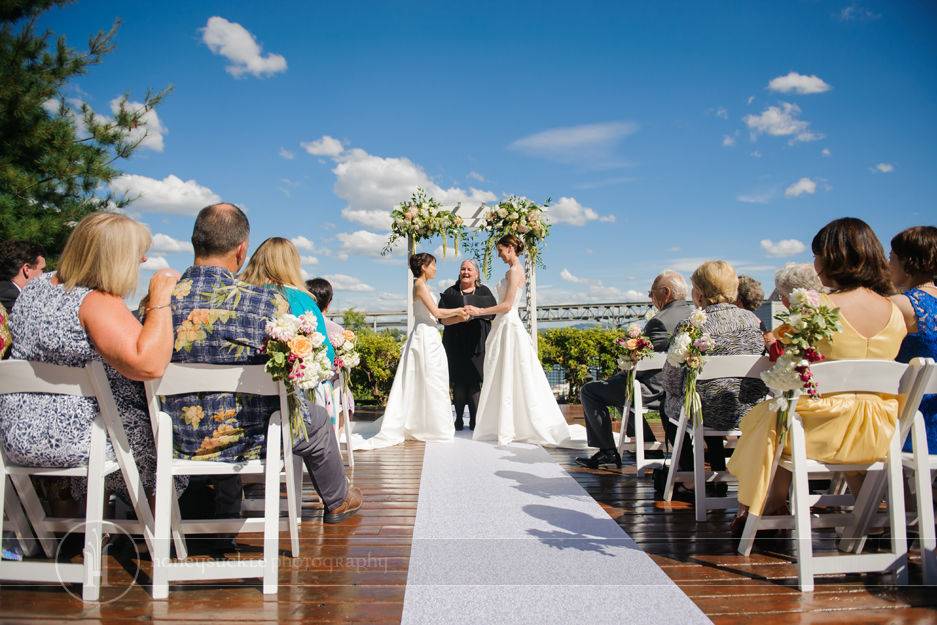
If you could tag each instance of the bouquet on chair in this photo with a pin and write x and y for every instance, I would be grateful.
(803, 326)
(346, 359)
(687, 350)
(298, 356)
(634, 347)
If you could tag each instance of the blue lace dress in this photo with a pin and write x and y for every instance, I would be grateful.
(923, 343)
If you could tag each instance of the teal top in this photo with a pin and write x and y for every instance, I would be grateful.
(301, 302)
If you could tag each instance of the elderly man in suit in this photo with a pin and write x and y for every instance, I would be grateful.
(668, 293)
(20, 262)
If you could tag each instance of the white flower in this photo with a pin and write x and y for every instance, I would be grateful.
(797, 321)
(698, 317)
(778, 404)
(633, 331)
(782, 376)
(676, 355)
(308, 323)
(804, 298)
(317, 339)
(283, 328)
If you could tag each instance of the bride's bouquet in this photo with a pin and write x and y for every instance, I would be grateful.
(803, 326)
(297, 355)
(687, 350)
(422, 217)
(634, 347)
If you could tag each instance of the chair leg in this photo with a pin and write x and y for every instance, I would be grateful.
(94, 514)
(803, 533)
(748, 534)
(19, 522)
(37, 516)
(163, 511)
(346, 421)
(897, 518)
(675, 457)
(699, 474)
(292, 511)
(925, 504)
(623, 438)
(272, 507)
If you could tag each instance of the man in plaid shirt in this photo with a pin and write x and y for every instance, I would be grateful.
(221, 320)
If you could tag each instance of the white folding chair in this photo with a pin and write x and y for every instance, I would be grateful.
(845, 376)
(183, 379)
(923, 467)
(342, 406)
(638, 444)
(19, 376)
(740, 366)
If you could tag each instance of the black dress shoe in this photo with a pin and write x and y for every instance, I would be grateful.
(603, 456)
(459, 425)
(472, 424)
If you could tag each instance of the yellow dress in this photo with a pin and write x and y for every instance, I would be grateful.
(840, 428)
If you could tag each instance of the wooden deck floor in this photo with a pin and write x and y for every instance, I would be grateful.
(355, 572)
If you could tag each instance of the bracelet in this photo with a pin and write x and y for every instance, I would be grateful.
(158, 307)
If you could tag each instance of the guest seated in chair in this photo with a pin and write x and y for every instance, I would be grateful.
(734, 331)
(20, 263)
(221, 320)
(840, 428)
(668, 293)
(794, 276)
(751, 296)
(913, 265)
(77, 315)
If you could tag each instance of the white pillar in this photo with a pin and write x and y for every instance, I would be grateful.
(531, 271)
(411, 247)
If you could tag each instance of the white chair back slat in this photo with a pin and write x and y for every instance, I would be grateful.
(179, 379)
(654, 362)
(930, 380)
(739, 366)
(866, 376)
(22, 376)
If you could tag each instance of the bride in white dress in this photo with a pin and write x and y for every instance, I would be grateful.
(516, 402)
(418, 406)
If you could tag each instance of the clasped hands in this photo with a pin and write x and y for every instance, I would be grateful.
(467, 312)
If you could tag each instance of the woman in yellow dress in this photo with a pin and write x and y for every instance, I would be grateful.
(843, 427)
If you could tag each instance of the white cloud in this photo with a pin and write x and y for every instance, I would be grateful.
(303, 244)
(238, 45)
(781, 121)
(363, 243)
(287, 154)
(372, 185)
(169, 195)
(884, 168)
(857, 12)
(593, 143)
(728, 141)
(323, 146)
(597, 291)
(309, 260)
(802, 186)
(688, 265)
(798, 83)
(474, 175)
(165, 243)
(567, 210)
(754, 198)
(569, 277)
(755, 154)
(825, 152)
(155, 263)
(344, 282)
(786, 247)
(750, 100)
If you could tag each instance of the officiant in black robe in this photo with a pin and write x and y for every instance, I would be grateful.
(464, 340)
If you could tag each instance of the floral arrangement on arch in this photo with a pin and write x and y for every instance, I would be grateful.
(423, 217)
(806, 323)
(297, 355)
(519, 216)
(688, 350)
(634, 348)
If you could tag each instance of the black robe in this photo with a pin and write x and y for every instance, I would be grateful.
(465, 342)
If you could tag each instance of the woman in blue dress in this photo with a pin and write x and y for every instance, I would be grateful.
(276, 264)
(913, 266)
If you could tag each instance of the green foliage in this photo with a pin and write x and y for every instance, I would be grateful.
(380, 352)
(56, 156)
(576, 350)
(354, 320)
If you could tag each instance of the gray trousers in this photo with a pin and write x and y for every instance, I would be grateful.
(596, 398)
(322, 458)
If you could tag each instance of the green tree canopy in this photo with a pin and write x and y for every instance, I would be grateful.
(56, 154)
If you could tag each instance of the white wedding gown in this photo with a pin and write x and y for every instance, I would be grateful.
(418, 406)
(516, 402)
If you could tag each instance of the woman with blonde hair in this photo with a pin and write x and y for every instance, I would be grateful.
(77, 315)
(276, 263)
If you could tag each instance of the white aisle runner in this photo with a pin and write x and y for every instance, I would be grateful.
(505, 535)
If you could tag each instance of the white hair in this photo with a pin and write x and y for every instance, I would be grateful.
(796, 276)
(675, 282)
(478, 270)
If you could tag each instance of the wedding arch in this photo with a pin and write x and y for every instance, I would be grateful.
(423, 218)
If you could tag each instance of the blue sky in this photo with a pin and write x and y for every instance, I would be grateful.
(665, 133)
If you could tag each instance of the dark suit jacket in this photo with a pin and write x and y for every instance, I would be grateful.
(8, 294)
(659, 329)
